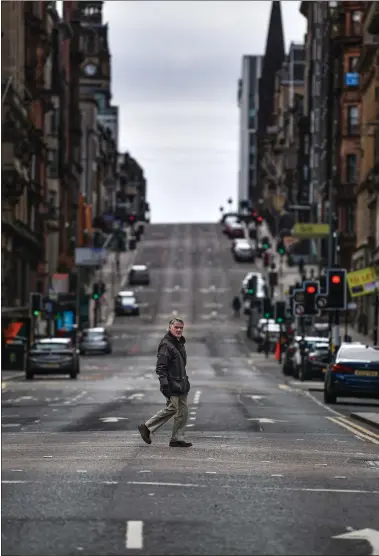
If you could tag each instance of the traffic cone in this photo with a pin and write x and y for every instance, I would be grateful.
(277, 351)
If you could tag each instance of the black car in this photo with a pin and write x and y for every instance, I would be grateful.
(316, 362)
(50, 356)
(139, 276)
(95, 340)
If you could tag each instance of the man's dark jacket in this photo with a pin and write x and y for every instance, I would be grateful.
(171, 366)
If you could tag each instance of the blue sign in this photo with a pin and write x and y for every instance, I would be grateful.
(65, 321)
(108, 217)
(352, 79)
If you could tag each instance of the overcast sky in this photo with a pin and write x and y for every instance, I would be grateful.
(175, 66)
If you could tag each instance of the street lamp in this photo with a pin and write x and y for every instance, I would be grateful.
(221, 209)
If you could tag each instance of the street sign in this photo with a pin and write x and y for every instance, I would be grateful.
(321, 302)
(363, 282)
(299, 296)
(87, 256)
(299, 309)
(310, 231)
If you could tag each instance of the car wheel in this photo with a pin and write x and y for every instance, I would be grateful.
(74, 374)
(296, 372)
(29, 375)
(287, 370)
(329, 396)
(302, 374)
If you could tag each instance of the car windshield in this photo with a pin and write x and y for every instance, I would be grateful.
(93, 334)
(50, 346)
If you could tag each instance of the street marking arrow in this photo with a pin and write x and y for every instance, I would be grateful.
(113, 419)
(369, 535)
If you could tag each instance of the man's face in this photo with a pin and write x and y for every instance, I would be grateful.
(176, 329)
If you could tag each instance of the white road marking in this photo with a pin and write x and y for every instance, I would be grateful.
(10, 425)
(276, 475)
(145, 471)
(134, 535)
(192, 418)
(339, 477)
(211, 472)
(47, 456)
(152, 483)
(16, 470)
(113, 419)
(264, 420)
(285, 387)
(192, 412)
(190, 425)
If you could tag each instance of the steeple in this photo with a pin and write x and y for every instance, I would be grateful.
(275, 38)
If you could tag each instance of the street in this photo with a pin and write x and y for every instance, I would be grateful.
(272, 470)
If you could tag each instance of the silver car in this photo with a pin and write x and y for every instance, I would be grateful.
(52, 356)
(95, 340)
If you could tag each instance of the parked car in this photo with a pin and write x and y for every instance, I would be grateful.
(139, 276)
(126, 303)
(48, 356)
(304, 345)
(95, 340)
(235, 230)
(353, 373)
(316, 362)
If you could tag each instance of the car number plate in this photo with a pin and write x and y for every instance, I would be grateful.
(51, 365)
(366, 373)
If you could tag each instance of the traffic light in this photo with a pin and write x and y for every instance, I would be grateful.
(336, 280)
(280, 311)
(280, 247)
(267, 308)
(259, 220)
(36, 303)
(311, 290)
(96, 291)
(131, 218)
(252, 286)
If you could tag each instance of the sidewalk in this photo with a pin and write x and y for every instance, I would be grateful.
(113, 282)
(368, 418)
(11, 375)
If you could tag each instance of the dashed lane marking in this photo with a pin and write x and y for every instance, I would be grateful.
(134, 535)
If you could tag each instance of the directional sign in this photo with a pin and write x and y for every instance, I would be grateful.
(299, 309)
(321, 302)
(369, 535)
(310, 231)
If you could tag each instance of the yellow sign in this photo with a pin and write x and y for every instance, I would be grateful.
(310, 230)
(363, 282)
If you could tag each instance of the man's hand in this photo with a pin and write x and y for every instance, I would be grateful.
(166, 392)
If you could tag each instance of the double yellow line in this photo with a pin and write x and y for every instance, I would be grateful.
(358, 430)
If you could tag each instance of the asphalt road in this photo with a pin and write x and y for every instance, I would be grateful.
(271, 471)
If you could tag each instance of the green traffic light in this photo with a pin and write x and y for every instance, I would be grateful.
(267, 315)
(279, 320)
(281, 251)
(250, 291)
(96, 296)
(265, 246)
(36, 313)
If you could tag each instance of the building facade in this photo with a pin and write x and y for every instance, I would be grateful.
(248, 103)
(367, 191)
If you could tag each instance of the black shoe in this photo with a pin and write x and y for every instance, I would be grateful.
(145, 433)
(180, 444)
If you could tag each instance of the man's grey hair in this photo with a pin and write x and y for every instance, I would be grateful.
(174, 320)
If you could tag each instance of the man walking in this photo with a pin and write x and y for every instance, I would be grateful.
(174, 385)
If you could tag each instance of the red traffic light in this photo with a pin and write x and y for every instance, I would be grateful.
(311, 289)
(131, 218)
(260, 219)
(336, 279)
(254, 213)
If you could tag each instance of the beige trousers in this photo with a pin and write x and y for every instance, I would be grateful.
(177, 408)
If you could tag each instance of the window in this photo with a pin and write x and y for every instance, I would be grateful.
(356, 18)
(353, 63)
(54, 122)
(351, 168)
(252, 113)
(252, 149)
(353, 120)
(53, 164)
(350, 219)
(252, 161)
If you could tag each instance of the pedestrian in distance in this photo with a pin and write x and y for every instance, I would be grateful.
(174, 385)
(236, 306)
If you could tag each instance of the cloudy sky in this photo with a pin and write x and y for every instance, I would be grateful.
(175, 66)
